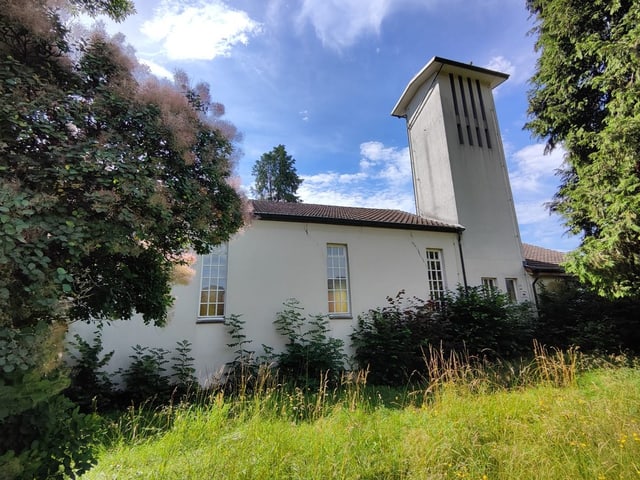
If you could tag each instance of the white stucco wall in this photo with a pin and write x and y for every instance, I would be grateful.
(273, 261)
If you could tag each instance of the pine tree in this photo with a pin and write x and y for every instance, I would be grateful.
(276, 178)
(584, 97)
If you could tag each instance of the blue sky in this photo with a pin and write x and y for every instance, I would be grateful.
(321, 78)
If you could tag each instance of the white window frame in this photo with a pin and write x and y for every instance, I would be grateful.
(436, 280)
(338, 284)
(489, 284)
(511, 286)
(213, 273)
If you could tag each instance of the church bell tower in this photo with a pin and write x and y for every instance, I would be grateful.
(459, 168)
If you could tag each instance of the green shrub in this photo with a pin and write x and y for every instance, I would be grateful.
(389, 341)
(486, 322)
(184, 379)
(241, 373)
(145, 379)
(393, 341)
(90, 386)
(42, 433)
(309, 352)
(571, 315)
(52, 440)
(29, 367)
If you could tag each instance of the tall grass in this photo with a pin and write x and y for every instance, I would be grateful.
(542, 420)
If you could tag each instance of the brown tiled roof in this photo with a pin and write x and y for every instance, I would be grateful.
(335, 215)
(538, 259)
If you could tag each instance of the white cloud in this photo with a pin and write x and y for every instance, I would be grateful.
(387, 163)
(531, 212)
(501, 64)
(534, 183)
(199, 30)
(328, 179)
(338, 23)
(157, 69)
(534, 171)
(383, 181)
(520, 66)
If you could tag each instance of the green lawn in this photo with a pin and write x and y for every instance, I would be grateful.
(589, 429)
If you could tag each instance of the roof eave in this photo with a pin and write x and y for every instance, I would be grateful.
(358, 223)
(434, 65)
(551, 270)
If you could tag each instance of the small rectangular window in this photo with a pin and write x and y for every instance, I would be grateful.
(512, 289)
(213, 283)
(435, 275)
(489, 284)
(338, 280)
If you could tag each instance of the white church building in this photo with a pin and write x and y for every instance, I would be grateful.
(343, 261)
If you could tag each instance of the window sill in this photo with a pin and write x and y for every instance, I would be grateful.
(204, 320)
(340, 316)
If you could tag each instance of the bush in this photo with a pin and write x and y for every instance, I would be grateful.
(184, 379)
(42, 433)
(392, 341)
(29, 367)
(52, 440)
(389, 341)
(309, 352)
(486, 322)
(241, 373)
(571, 315)
(90, 386)
(145, 379)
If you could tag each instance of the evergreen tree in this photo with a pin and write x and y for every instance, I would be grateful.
(584, 96)
(276, 178)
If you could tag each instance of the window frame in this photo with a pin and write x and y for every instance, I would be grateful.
(345, 292)
(489, 285)
(438, 293)
(512, 293)
(221, 267)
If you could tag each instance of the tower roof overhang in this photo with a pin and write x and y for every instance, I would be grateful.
(443, 65)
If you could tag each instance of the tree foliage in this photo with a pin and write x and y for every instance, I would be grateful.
(276, 178)
(584, 96)
(107, 175)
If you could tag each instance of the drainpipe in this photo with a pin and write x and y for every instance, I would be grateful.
(464, 271)
(535, 292)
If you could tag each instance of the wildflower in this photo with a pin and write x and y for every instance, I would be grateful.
(622, 440)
